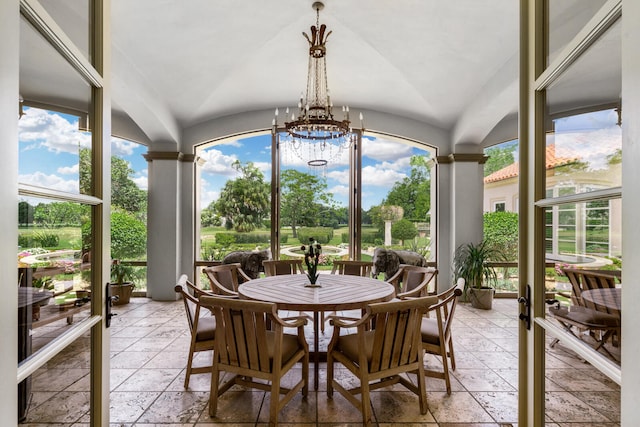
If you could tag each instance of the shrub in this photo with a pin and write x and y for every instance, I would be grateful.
(225, 239)
(46, 239)
(26, 241)
(323, 235)
(501, 233)
(403, 230)
(128, 236)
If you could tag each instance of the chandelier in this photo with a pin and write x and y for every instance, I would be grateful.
(315, 135)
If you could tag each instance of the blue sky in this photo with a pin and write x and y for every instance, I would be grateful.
(48, 155)
(385, 162)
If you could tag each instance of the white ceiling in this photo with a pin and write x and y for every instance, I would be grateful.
(176, 64)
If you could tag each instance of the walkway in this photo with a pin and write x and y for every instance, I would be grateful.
(149, 346)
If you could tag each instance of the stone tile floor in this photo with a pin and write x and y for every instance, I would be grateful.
(149, 345)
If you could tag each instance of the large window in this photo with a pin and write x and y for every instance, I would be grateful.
(236, 190)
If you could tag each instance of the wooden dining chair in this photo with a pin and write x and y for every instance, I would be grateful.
(352, 268)
(282, 266)
(436, 332)
(378, 356)
(226, 278)
(348, 268)
(202, 328)
(412, 281)
(257, 356)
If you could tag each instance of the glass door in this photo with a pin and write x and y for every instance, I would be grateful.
(63, 162)
(571, 230)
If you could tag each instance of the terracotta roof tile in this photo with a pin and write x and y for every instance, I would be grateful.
(513, 169)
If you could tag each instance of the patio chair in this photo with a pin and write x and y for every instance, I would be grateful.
(436, 332)
(246, 348)
(226, 278)
(600, 323)
(352, 268)
(412, 281)
(202, 329)
(349, 268)
(378, 356)
(282, 266)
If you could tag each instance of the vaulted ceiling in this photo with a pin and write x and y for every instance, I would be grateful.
(452, 65)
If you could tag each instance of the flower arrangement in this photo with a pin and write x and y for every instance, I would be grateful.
(312, 259)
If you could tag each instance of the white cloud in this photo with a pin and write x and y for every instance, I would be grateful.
(218, 163)
(380, 176)
(142, 179)
(591, 147)
(69, 170)
(52, 131)
(207, 196)
(122, 147)
(382, 149)
(51, 181)
(342, 190)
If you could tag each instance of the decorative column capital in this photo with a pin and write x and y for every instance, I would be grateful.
(461, 157)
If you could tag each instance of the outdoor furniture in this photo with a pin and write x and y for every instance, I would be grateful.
(352, 268)
(349, 268)
(226, 278)
(584, 314)
(436, 332)
(378, 356)
(282, 266)
(412, 281)
(336, 292)
(202, 328)
(246, 348)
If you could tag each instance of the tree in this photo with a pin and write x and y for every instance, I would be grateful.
(403, 230)
(25, 213)
(413, 193)
(208, 217)
(59, 214)
(304, 197)
(244, 201)
(499, 157)
(124, 192)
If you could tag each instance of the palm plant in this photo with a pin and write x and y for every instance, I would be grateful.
(470, 262)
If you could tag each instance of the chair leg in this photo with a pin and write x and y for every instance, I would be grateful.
(329, 375)
(366, 401)
(187, 374)
(305, 374)
(213, 394)
(275, 401)
(445, 367)
(451, 355)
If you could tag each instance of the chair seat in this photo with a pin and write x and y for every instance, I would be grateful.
(206, 329)
(290, 345)
(429, 331)
(586, 316)
(349, 345)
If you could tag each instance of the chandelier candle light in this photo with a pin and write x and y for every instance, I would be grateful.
(315, 135)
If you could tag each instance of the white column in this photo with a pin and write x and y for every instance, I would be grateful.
(9, 72)
(459, 206)
(441, 215)
(189, 204)
(387, 233)
(630, 415)
(163, 225)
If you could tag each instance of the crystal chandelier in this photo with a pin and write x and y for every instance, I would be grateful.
(315, 135)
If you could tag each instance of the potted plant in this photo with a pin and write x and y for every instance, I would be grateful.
(122, 282)
(470, 263)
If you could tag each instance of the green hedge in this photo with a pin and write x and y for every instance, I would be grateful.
(229, 238)
(369, 236)
(323, 235)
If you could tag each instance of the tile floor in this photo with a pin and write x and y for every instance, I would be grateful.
(149, 342)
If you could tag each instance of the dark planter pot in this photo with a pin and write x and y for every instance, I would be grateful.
(123, 292)
(481, 298)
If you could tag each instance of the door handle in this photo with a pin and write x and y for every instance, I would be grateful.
(108, 302)
(526, 300)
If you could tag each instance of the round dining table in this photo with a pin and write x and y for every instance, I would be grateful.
(607, 298)
(333, 292)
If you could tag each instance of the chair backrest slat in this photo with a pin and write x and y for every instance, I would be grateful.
(396, 337)
(244, 334)
(282, 267)
(352, 268)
